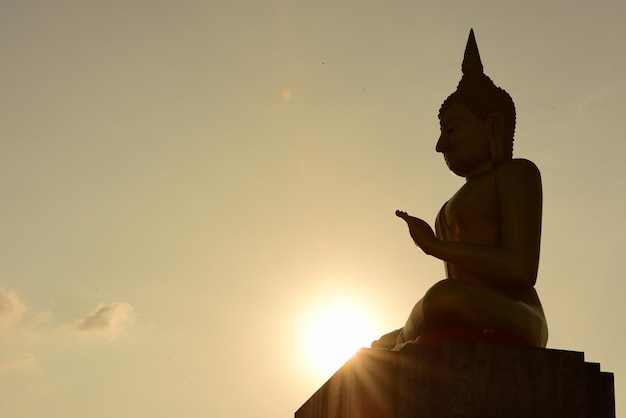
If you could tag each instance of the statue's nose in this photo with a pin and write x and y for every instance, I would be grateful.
(442, 143)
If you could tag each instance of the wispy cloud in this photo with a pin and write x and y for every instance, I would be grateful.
(106, 320)
(11, 307)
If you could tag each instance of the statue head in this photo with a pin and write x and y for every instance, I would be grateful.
(485, 100)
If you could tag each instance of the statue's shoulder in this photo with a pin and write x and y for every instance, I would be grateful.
(518, 165)
(518, 169)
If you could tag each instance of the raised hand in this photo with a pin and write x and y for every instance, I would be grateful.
(422, 234)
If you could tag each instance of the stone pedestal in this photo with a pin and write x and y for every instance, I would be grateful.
(463, 379)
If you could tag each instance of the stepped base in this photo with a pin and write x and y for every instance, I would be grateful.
(464, 379)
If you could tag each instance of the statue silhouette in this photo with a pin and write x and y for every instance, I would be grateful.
(488, 234)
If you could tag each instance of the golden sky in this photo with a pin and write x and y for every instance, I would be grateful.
(188, 185)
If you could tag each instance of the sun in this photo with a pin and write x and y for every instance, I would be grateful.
(334, 333)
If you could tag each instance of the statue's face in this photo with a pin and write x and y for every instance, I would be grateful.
(464, 141)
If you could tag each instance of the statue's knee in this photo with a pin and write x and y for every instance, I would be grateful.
(442, 299)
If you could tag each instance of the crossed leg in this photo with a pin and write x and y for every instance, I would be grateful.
(453, 303)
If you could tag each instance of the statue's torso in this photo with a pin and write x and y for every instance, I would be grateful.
(472, 215)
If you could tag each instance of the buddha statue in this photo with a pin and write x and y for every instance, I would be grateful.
(488, 233)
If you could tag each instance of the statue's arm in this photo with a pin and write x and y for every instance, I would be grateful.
(512, 265)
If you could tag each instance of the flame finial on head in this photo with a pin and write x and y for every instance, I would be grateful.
(471, 61)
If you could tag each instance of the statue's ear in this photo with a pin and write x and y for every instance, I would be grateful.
(495, 128)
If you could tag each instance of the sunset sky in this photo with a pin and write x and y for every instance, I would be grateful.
(191, 189)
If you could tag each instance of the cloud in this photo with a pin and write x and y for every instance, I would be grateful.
(105, 320)
(11, 307)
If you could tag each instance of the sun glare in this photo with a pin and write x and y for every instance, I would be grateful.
(334, 333)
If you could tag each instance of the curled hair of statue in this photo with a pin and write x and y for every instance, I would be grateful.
(481, 96)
